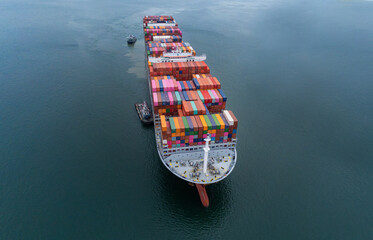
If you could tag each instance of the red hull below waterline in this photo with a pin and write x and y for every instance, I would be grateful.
(203, 194)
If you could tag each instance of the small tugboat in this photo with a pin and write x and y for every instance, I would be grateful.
(131, 39)
(144, 112)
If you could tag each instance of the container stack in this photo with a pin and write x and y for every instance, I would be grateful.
(156, 49)
(190, 95)
(168, 39)
(150, 33)
(153, 31)
(186, 85)
(206, 81)
(214, 99)
(187, 98)
(158, 19)
(163, 84)
(167, 103)
(233, 124)
(194, 107)
(180, 70)
(161, 27)
(192, 130)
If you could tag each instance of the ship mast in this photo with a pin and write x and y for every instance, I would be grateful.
(205, 157)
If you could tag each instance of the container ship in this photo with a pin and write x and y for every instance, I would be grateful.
(196, 136)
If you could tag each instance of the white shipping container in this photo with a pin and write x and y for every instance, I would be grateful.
(228, 117)
(160, 37)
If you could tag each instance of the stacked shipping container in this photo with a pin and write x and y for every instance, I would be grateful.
(167, 99)
(188, 99)
(191, 130)
(156, 49)
(193, 107)
(205, 81)
(168, 39)
(150, 33)
(158, 19)
(163, 84)
(180, 70)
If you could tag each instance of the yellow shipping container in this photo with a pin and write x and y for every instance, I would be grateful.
(177, 126)
(205, 127)
(220, 121)
(163, 123)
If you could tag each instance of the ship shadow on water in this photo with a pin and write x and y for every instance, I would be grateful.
(147, 126)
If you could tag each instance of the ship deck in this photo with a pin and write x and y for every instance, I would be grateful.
(187, 162)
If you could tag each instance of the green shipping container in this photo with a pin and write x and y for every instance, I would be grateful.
(209, 125)
(178, 97)
(172, 125)
(186, 125)
(195, 111)
(218, 126)
(201, 96)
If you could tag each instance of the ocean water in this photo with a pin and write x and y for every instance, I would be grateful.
(76, 163)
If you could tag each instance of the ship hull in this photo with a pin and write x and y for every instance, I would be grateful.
(182, 161)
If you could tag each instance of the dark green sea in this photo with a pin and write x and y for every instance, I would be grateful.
(76, 163)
